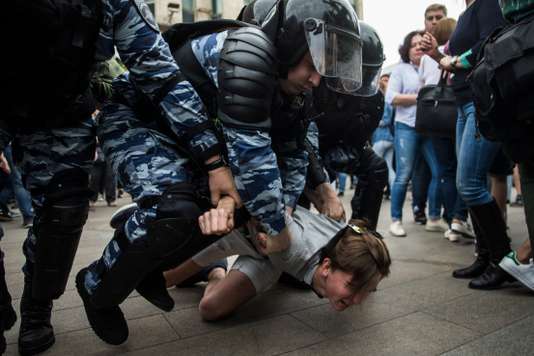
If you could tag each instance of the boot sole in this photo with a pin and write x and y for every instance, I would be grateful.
(36, 350)
(80, 287)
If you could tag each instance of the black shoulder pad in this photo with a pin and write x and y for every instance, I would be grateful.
(247, 79)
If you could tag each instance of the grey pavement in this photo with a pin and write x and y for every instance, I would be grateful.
(419, 310)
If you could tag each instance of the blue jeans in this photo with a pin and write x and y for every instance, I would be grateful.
(408, 144)
(341, 181)
(385, 150)
(475, 157)
(14, 185)
(455, 207)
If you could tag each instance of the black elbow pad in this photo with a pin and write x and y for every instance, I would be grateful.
(247, 79)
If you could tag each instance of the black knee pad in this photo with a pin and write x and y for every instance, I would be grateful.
(175, 226)
(58, 227)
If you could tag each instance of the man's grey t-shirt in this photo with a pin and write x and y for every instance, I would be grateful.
(309, 233)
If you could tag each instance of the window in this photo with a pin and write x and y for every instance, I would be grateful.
(217, 7)
(188, 10)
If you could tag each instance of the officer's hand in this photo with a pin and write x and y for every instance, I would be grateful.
(221, 183)
(4, 166)
(267, 244)
(219, 221)
(331, 205)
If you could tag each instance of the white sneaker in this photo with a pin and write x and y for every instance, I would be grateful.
(436, 225)
(452, 236)
(463, 228)
(523, 273)
(396, 229)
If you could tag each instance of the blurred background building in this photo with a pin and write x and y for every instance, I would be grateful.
(168, 12)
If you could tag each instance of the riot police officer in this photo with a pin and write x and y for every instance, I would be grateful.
(343, 131)
(48, 117)
(155, 158)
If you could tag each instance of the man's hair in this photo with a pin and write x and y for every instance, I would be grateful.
(404, 49)
(443, 30)
(436, 7)
(364, 255)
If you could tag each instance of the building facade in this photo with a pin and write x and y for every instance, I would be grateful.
(169, 12)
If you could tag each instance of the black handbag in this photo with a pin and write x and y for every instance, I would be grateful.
(436, 109)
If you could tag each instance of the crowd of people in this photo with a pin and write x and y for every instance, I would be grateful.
(225, 133)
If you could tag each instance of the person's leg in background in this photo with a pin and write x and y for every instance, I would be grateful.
(22, 196)
(475, 158)
(110, 185)
(406, 145)
(434, 221)
(499, 171)
(517, 185)
(341, 182)
(96, 178)
(421, 179)
(454, 211)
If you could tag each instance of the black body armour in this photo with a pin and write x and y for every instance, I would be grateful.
(503, 87)
(52, 55)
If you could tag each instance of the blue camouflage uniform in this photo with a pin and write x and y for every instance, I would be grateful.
(47, 152)
(148, 160)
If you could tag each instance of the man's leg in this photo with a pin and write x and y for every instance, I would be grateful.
(421, 179)
(154, 236)
(7, 313)
(55, 164)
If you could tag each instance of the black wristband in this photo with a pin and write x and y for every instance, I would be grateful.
(218, 163)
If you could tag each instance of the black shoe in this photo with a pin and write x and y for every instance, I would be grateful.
(8, 317)
(36, 333)
(419, 218)
(107, 323)
(153, 288)
(476, 269)
(492, 278)
(340, 194)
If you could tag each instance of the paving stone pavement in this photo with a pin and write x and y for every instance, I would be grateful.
(418, 310)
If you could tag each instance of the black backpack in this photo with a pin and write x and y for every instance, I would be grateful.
(52, 46)
(503, 87)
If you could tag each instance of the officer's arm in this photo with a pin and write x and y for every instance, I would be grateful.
(153, 71)
(293, 163)
(254, 166)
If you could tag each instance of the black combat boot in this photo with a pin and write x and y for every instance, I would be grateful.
(36, 333)
(493, 227)
(154, 289)
(483, 257)
(108, 323)
(7, 313)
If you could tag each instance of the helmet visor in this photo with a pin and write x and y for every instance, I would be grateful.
(370, 79)
(336, 54)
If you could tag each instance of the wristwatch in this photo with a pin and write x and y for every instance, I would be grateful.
(218, 163)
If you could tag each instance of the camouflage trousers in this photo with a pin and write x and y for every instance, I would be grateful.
(146, 163)
(43, 153)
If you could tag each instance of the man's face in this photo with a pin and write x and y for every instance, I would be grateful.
(341, 294)
(301, 78)
(432, 18)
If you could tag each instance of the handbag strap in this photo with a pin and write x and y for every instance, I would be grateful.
(444, 75)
